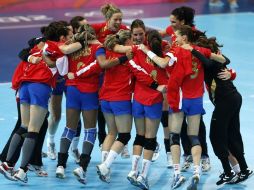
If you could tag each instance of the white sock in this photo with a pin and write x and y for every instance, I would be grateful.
(74, 143)
(104, 155)
(176, 169)
(145, 167)
(196, 169)
(135, 160)
(50, 139)
(236, 168)
(111, 157)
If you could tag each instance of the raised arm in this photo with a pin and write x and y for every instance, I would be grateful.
(161, 62)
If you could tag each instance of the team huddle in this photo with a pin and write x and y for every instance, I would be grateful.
(112, 75)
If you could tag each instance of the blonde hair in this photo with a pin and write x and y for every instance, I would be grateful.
(109, 9)
(119, 38)
(89, 35)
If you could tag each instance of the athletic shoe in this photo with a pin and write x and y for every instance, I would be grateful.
(194, 182)
(205, 164)
(80, 175)
(125, 153)
(132, 177)
(156, 152)
(142, 183)
(60, 172)
(227, 178)
(244, 176)
(76, 155)
(51, 151)
(169, 160)
(187, 163)
(177, 181)
(21, 175)
(7, 171)
(103, 172)
(39, 171)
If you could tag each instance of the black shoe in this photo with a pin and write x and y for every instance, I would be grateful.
(242, 176)
(227, 178)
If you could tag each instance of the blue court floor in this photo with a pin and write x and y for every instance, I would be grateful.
(234, 30)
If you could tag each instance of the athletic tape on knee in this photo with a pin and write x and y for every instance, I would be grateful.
(150, 144)
(124, 138)
(68, 133)
(90, 135)
(194, 140)
(139, 140)
(174, 139)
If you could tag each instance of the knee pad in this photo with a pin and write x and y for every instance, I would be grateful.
(124, 138)
(139, 140)
(90, 135)
(22, 132)
(32, 135)
(164, 119)
(174, 139)
(150, 144)
(194, 140)
(68, 133)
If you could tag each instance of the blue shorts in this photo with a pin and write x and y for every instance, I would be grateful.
(116, 107)
(35, 94)
(193, 106)
(60, 87)
(153, 112)
(81, 100)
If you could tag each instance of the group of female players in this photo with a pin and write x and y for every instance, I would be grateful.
(127, 74)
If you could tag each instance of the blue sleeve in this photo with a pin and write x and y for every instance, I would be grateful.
(100, 51)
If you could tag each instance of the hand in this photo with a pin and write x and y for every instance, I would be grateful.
(129, 54)
(161, 88)
(224, 74)
(143, 48)
(187, 47)
(70, 75)
(34, 60)
(79, 36)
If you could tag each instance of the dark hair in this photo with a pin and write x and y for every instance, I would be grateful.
(137, 23)
(75, 22)
(55, 30)
(192, 34)
(209, 43)
(154, 41)
(185, 14)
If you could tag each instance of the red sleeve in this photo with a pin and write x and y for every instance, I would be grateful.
(233, 74)
(88, 70)
(169, 30)
(97, 27)
(140, 73)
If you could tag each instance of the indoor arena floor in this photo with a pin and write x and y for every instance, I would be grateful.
(234, 31)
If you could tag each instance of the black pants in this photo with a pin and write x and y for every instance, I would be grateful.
(225, 128)
(101, 126)
(36, 158)
(186, 144)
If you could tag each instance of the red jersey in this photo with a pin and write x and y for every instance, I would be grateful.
(51, 49)
(143, 93)
(39, 72)
(117, 81)
(86, 68)
(187, 74)
(102, 30)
